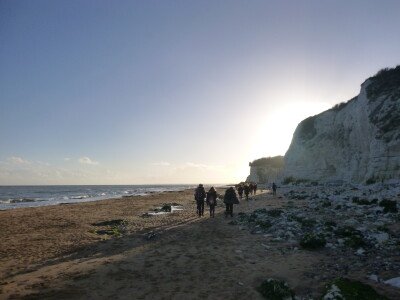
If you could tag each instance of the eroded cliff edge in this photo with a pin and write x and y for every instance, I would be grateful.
(356, 141)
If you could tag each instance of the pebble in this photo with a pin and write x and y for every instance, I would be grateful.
(373, 277)
(360, 251)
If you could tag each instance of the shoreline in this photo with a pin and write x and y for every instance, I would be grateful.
(78, 194)
(108, 249)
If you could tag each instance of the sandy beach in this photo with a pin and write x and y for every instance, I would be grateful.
(56, 252)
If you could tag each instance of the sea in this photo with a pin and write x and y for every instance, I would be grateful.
(33, 196)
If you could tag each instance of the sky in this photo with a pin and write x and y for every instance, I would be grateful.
(163, 92)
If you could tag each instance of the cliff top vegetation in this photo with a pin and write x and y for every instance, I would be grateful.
(272, 162)
(385, 82)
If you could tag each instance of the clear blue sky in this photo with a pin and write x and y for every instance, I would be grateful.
(174, 91)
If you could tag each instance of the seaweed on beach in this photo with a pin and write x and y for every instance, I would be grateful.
(116, 231)
(343, 288)
(273, 289)
(166, 208)
(110, 223)
(274, 213)
(359, 201)
(263, 224)
(304, 222)
(389, 206)
(114, 227)
(330, 225)
(312, 241)
(353, 238)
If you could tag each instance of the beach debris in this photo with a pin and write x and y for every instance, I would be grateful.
(114, 227)
(344, 288)
(164, 209)
(240, 283)
(275, 289)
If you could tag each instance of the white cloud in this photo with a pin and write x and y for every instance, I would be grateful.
(161, 163)
(67, 158)
(202, 166)
(87, 161)
(18, 160)
(17, 171)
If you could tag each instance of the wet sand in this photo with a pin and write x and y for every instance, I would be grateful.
(54, 252)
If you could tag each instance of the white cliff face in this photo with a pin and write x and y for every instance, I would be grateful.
(260, 174)
(266, 170)
(354, 142)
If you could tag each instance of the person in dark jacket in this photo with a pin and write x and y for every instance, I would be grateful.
(255, 188)
(212, 200)
(246, 191)
(251, 188)
(274, 189)
(240, 191)
(199, 196)
(230, 198)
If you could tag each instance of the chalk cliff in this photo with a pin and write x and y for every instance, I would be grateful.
(266, 170)
(356, 141)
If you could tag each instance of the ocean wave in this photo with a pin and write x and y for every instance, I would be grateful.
(80, 197)
(32, 196)
(21, 200)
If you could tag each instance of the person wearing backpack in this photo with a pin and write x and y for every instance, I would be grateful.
(246, 191)
(230, 198)
(240, 191)
(211, 200)
(199, 196)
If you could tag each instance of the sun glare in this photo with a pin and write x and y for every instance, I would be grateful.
(276, 133)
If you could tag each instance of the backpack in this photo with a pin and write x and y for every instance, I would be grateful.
(199, 195)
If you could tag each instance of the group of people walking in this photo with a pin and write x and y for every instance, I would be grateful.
(247, 189)
(211, 197)
(230, 197)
